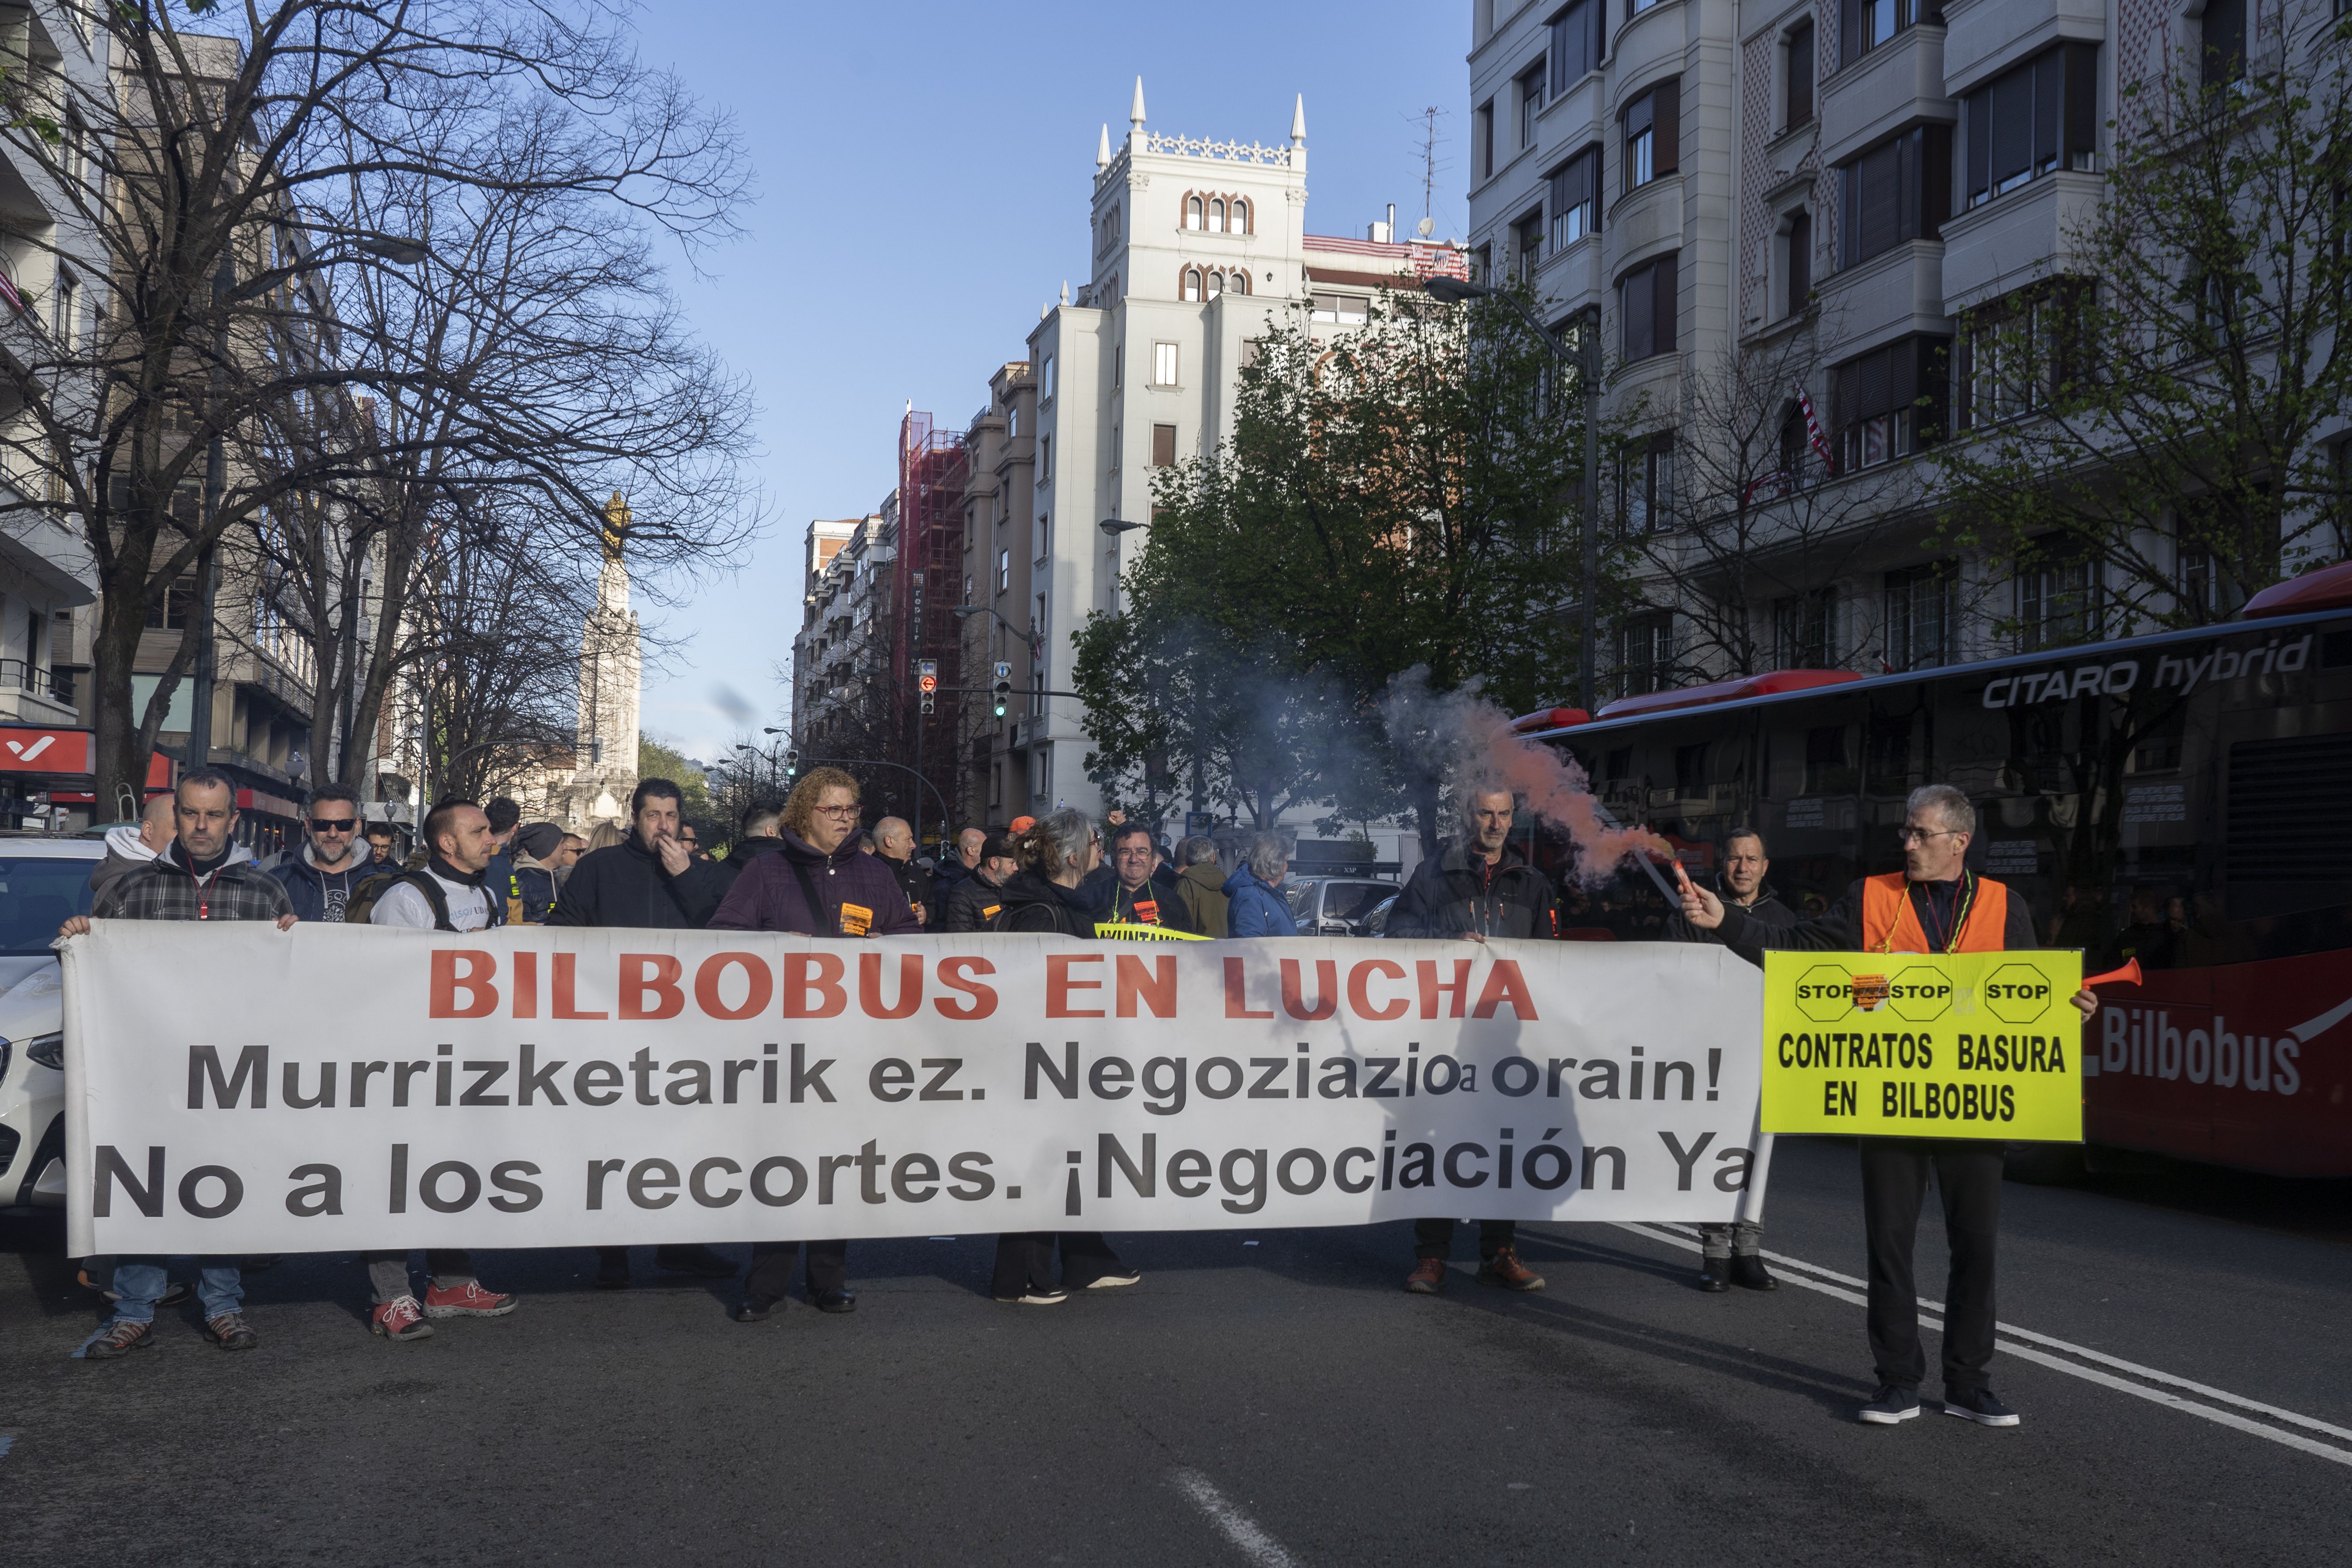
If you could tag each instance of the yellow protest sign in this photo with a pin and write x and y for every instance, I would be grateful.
(1118, 931)
(1966, 1045)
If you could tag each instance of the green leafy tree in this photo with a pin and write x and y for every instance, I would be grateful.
(2158, 408)
(1407, 495)
(659, 759)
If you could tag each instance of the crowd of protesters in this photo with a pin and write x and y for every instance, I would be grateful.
(807, 867)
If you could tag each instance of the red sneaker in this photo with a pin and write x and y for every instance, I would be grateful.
(1428, 1277)
(1505, 1270)
(401, 1319)
(466, 1299)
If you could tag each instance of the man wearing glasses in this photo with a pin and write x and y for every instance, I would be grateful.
(819, 883)
(333, 861)
(1136, 899)
(1935, 904)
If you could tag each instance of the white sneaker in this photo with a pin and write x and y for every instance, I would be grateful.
(1117, 1277)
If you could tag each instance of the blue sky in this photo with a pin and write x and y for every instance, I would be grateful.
(923, 175)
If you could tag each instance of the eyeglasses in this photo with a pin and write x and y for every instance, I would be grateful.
(849, 811)
(1921, 835)
(333, 825)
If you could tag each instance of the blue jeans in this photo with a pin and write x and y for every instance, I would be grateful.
(139, 1280)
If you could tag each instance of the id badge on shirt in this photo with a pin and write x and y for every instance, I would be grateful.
(856, 920)
(1147, 911)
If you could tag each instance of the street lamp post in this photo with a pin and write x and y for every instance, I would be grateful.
(1586, 358)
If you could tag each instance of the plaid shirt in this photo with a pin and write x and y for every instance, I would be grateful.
(163, 889)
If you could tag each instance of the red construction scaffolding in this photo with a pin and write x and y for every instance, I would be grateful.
(928, 577)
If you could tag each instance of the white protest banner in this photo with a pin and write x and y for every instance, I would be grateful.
(237, 1088)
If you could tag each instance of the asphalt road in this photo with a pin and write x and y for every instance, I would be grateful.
(1262, 1398)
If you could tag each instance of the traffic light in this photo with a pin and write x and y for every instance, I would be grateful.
(1003, 689)
(792, 765)
(928, 680)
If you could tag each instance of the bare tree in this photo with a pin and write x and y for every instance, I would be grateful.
(246, 191)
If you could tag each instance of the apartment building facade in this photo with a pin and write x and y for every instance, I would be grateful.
(1802, 201)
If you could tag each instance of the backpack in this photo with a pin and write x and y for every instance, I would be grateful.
(363, 899)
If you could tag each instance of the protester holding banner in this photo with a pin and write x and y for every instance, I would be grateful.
(1138, 897)
(818, 883)
(648, 879)
(1056, 853)
(1935, 904)
(971, 904)
(192, 879)
(1480, 887)
(1733, 1254)
(452, 893)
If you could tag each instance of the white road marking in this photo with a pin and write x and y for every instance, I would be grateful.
(1232, 1523)
(1674, 1235)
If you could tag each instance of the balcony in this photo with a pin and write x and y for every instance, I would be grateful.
(2014, 239)
(1892, 294)
(31, 695)
(1985, 38)
(1898, 84)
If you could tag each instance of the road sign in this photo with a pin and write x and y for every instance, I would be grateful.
(1200, 824)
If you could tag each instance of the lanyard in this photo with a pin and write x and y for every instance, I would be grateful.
(1950, 941)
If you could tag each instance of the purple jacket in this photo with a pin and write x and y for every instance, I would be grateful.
(767, 895)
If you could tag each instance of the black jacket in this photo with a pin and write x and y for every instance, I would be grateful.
(913, 880)
(1839, 929)
(626, 886)
(740, 855)
(1768, 909)
(1166, 909)
(1034, 904)
(969, 905)
(1459, 892)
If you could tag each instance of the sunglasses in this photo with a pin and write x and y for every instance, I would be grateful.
(333, 825)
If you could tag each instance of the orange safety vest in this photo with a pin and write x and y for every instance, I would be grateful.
(1891, 924)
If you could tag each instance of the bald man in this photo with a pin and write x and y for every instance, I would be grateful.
(131, 844)
(894, 846)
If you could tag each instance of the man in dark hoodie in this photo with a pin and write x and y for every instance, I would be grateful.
(757, 834)
(319, 876)
(819, 883)
(648, 879)
(972, 904)
(1733, 1254)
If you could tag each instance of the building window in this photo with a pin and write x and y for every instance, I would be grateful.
(1531, 102)
(170, 614)
(1346, 310)
(2033, 120)
(1163, 445)
(63, 299)
(1797, 262)
(1193, 209)
(1482, 264)
(1577, 43)
(1646, 484)
(1482, 138)
(1797, 58)
(1865, 25)
(1889, 401)
(1163, 364)
(1191, 289)
(1919, 615)
(1003, 571)
(1238, 281)
(1046, 386)
(2223, 41)
(1646, 298)
(2011, 353)
(1805, 630)
(2057, 604)
(1526, 243)
(1897, 192)
(1239, 222)
(1118, 366)
(1013, 422)
(1044, 460)
(1802, 462)
(1635, 8)
(1645, 653)
(1576, 199)
(2198, 587)
(1217, 214)
(1653, 133)
(1216, 284)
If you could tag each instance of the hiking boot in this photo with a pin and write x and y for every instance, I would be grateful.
(467, 1299)
(400, 1319)
(1428, 1277)
(1715, 1274)
(120, 1338)
(1747, 1272)
(1505, 1270)
(231, 1331)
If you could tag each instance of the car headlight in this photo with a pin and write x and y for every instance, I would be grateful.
(48, 1049)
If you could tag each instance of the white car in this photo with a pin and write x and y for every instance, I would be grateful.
(42, 882)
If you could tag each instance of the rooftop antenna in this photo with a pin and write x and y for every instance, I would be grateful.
(1432, 165)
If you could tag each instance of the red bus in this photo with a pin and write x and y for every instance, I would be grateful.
(2181, 798)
